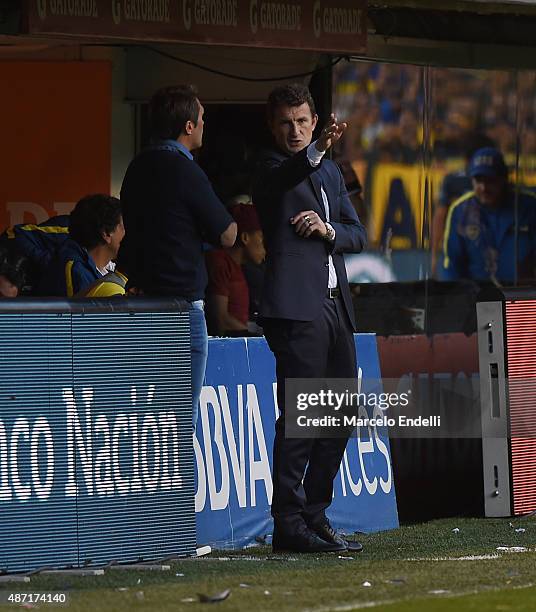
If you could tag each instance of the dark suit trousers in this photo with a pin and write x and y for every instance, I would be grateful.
(320, 348)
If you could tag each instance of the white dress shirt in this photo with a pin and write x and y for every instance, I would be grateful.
(315, 157)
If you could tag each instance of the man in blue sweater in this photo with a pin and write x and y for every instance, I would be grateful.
(170, 209)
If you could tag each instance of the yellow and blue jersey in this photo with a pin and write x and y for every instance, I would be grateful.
(480, 241)
(37, 243)
(73, 273)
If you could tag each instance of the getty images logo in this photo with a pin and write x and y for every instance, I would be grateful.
(117, 453)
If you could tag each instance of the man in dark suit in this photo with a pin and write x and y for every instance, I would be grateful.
(307, 314)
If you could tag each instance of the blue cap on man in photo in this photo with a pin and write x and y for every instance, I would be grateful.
(487, 162)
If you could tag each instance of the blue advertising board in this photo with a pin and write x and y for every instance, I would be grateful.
(233, 450)
(96, 456)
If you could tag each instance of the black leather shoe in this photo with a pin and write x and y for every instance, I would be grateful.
(328, 534)
(303, 541)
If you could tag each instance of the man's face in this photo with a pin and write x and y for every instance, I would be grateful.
(292, 127)
(7, 288)
(254, 246)
(489, 189)
(115, 237)
(197, 130)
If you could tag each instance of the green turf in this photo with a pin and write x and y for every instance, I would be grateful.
(518, 600)
(408, 569)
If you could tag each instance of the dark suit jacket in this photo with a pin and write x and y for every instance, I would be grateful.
(296, 276)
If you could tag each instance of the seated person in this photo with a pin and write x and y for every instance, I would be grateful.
(227, 291)
(454, 185)
(80, 267)
(12, 273)
(480, 235)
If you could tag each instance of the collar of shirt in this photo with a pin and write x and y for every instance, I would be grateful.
(174, 145)
(90, 261)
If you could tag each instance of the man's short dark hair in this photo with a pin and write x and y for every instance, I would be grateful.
(169, 110)
(92, 216)
(294, 94)
(13, 266)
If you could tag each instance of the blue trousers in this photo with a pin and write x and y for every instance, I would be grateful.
(199, 350)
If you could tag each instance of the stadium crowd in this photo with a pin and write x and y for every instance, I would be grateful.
(384, 106)
(414, 117)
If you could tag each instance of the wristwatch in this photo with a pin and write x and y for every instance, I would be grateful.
(330, 233)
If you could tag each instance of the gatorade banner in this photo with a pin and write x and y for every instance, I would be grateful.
(323, 25)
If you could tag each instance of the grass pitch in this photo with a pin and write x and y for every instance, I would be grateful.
(446, 565)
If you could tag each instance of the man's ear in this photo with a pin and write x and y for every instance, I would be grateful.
(189, 127)
(315, 120)
(244, 238)
(106, 237)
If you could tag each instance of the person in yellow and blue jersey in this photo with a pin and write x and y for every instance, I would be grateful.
(490, 233)
(83, 265)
